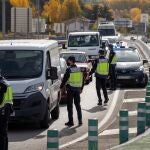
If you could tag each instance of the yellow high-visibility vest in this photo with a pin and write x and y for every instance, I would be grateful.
(102, 67)
(76, 77)
(114, 60)
(8, 97)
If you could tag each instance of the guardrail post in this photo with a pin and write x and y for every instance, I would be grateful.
(52, 140)
(147, 111)
(123, 126)
(141, 117)
(93, 134)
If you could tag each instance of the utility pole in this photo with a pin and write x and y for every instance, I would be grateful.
(38, 16)
(3, 18)
(61, 1)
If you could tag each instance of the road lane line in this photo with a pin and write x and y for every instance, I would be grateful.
(106, 118)
(116, 132)
(132, 100)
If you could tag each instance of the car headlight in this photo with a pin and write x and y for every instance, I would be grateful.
(34, 88)
(141, 68)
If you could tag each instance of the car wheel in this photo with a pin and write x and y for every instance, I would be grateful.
(144, 82)
(55, 112)
(44, 124)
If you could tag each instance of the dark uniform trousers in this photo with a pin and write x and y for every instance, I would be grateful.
(113, 77)
(101, 84)
(4, 116)
(73, 95)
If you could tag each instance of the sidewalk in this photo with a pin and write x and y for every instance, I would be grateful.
(138, 143)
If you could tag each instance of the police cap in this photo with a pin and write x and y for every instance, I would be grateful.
(71, 58)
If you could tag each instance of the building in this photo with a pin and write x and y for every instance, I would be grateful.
(77, 24)
(123, 22)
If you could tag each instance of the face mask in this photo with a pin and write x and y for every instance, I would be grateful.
(68, 64)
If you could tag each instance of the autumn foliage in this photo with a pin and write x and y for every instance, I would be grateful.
(53, 10)
(20, 3)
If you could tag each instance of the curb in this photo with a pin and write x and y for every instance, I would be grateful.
(132, 140)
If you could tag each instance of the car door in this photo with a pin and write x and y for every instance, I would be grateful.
(49, 82)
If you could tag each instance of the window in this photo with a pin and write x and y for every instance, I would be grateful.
(83, 40)
(21, 63)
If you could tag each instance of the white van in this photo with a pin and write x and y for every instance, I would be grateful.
(88, 42)
(107, 30)
(30, 67)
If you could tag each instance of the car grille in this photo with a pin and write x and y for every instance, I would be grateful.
(124, 71)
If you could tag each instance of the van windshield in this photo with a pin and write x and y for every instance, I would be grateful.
(107, 32)
(83, 40)
(16, 64)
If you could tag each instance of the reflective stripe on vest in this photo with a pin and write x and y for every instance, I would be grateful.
(8, 97)
(114, 60)
(102, 67)
(76, 77)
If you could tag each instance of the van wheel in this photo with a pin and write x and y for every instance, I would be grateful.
(46, 120)
(55, 112)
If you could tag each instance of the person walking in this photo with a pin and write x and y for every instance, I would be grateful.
(112, 61)
(101, 69)
(73, 79)
(6, 102)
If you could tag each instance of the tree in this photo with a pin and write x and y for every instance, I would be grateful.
(20, 3)
(51, 11)
(72, 7)
(135, 14)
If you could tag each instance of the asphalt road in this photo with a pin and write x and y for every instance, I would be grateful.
(31, 137)
(28, 136)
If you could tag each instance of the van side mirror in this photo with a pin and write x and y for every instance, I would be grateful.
(145, 61)
(64, 46)
(52, 73)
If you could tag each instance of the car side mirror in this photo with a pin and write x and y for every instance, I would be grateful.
(145, 61)
(64, 46)
(52, 73)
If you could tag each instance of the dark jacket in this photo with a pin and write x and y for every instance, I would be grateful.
(66, 78)
(3, 89)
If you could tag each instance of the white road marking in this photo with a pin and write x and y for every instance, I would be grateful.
(106, 118)
(116, 132)
(132, 100)
(132, 113)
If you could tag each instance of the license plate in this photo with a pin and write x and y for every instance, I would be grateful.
(12, 114)
(124, 77)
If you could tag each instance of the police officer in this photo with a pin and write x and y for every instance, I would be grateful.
(6, 103)
(101, 69)
(112, 61)
(73, 79)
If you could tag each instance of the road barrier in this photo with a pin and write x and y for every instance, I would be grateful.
(93, 134)
(147, 100)
(123, 126)
(141, 117)
(52, 140)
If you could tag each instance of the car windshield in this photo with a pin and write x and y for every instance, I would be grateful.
(21, 63)
(78, 57)
(83, 40)
(127, 56)
(107, 32)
